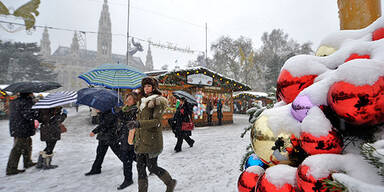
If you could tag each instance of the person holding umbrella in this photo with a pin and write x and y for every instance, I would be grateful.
(22, 127)
(183, 114)
(148, 136)
(103, 100)
(50, 132)
(108, 138)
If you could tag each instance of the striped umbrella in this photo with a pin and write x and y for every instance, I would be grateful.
(114, 76)
(56, 99)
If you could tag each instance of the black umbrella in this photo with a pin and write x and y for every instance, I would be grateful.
(101, 99)
(182, 94)
(31, 87)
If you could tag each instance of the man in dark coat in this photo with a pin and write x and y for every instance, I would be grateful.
(108, 137)
(209, 112)
(183, 114)
(22, 127)
(219, 111)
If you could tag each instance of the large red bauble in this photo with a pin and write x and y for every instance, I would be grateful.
(332, 143)
(288, 87)
(307, 183)
(378, 34)
(359, 105)
(265, 186)
(357, 56)
(248, 180)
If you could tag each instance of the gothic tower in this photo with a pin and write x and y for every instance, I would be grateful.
(104, 36)
(75, 45)
(149, 60)
(45, 44)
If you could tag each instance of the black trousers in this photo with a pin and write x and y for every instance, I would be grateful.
(209, 119)
(180, 137)
(21, 146)
(144, 161)
(127, 156)
(50, 146)
(101, 150)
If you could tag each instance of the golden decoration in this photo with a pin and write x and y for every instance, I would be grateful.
(268, 147)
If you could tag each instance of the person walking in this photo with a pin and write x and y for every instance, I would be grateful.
(108, 137)
(209, 112)
(183, 114)
(22, 127)
(128, 113)
(50, 132)
(148, 136)
(219, 111)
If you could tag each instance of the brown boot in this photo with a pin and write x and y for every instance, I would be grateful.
(143, 185)
(168, 181)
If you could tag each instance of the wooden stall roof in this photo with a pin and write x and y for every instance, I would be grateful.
(179, 77)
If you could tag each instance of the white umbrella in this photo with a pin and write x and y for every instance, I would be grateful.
(56, 99)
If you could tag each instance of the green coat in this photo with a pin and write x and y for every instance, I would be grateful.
(149, 136)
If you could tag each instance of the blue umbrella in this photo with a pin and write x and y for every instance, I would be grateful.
(114, 76)
(98, 98)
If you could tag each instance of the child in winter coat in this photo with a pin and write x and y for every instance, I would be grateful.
(128, 113)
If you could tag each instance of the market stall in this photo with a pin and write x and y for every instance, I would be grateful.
(206, 86)
(243, 100)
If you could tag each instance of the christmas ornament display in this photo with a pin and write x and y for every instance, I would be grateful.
(300, 107)
(269, 148)
(359, 105)
(249, 178)
(378, 34)
(254, 160)
(288, 86)
(332, 143)
(306, 182)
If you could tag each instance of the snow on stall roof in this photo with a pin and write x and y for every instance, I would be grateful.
(202, 68)
(280, 174)
(280, 120)
(316, 123)
(353, 165)
(254, 93)
(336, 39)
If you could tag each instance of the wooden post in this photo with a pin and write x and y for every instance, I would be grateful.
(358, 14)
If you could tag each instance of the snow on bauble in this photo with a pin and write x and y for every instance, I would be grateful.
(248, 179)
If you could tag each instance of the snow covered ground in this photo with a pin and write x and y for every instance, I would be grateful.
(211, 165)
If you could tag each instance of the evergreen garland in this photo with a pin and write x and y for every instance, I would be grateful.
(333, 186)
(369, 152)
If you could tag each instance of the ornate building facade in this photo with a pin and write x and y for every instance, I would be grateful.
(72, 61)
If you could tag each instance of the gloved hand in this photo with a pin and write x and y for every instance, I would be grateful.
(65, 111)
(116, 110)
(133, 125)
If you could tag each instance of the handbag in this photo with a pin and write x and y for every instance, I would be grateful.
(187, 126)
(63, 129)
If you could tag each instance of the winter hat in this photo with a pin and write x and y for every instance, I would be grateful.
(150, 81)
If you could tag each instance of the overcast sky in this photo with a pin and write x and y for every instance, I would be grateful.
(182, 22)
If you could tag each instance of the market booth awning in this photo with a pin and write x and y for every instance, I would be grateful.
(205, 85)
(199, 76)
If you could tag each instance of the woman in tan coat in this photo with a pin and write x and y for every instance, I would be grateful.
(148, 136)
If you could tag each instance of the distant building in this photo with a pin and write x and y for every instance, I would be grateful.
(72, 61)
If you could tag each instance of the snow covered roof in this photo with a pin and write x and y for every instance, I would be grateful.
(250, 93)
(219, 80)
